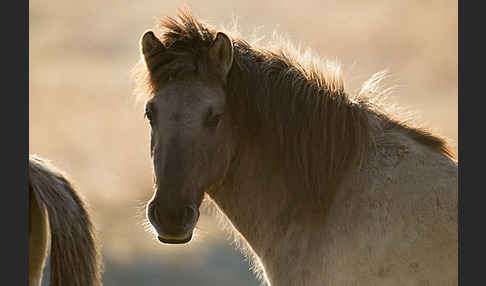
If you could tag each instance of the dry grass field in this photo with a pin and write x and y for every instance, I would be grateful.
(84, 117)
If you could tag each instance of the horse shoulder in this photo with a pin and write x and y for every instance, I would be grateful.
(394, 222)
(419, 188)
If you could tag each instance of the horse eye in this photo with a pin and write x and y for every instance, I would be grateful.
(148, 114)
(212, 120)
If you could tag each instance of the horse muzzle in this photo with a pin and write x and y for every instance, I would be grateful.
(174, 225)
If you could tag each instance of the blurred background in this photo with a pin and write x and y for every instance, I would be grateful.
(84, 118)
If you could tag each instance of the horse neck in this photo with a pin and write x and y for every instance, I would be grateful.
(279, 227)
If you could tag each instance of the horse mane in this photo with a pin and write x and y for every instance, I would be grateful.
(75, 257)
(296, 103)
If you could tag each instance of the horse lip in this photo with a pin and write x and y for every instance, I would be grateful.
(175, 240)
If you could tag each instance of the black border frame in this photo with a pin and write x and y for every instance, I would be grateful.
(15, 119)
(470, 154)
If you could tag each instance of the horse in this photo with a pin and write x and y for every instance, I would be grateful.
(319, 186)
(58, 213)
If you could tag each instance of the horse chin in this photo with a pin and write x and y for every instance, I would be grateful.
(175, 240)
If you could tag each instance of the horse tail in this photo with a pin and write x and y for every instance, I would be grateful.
(38, 240)
(75, 258)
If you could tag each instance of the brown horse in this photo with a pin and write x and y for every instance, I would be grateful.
(323, 188)
(55, 205)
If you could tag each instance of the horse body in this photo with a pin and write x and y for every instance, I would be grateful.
(392, 222)
(321, 188)
(59, 213)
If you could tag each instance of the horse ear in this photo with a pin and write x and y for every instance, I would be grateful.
(221, 53)
(150, 44)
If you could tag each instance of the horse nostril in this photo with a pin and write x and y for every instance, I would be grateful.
(190, 215)
(153, 216)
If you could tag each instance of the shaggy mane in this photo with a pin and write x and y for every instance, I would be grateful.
(295, 103)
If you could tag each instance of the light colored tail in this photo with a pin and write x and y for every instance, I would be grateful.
(75, 259)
